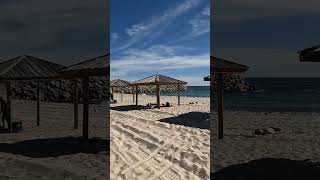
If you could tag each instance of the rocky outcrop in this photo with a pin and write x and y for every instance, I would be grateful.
(147, 89)
(59, 90)
(235, 83)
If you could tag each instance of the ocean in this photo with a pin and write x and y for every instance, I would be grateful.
(272, 95)
(277, 94)
(192, 91)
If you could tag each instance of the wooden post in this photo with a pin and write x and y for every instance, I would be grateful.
(8, 88)
(220, 105)
(38, 103)
(178, 95)
(158, 96)
(137, 95)
(85, 84)
(121, 94)
(133, 93)
(75, 104)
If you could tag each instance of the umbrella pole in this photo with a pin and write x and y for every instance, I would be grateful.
(158, 96)
(38, 103)
(178, 95)
(8, 88)
(136, 95)
(220, 105)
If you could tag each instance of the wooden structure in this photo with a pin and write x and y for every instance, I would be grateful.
(310, 54)
(96, 67)
(158, 80)
(218, 68)
(120, 84)
(27, 68)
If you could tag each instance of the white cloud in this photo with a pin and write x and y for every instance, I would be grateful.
(154, 59)
(201, 23)
(135, 29)
(156, 24)
(114, 36)
(206, 11)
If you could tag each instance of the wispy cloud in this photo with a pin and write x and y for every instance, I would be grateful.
(201, 22)
(142, 30)
(114, 36)
(135, 29)
(156, 58)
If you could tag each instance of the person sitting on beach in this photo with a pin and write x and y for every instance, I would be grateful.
(168, 104)
(3, 111)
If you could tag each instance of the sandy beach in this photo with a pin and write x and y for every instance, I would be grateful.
(167, 143)
(297, 141)
(54, 150)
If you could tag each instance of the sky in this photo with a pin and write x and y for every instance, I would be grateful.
(164, 37)
(266, 34)
(60, 31)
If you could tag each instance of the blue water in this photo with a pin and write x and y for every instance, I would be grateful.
(194, 91)
(272, 94)
(277, 94)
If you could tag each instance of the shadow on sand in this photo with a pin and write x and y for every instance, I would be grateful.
(267, 169)
(41, 148)
(191, 119)
(127, 108)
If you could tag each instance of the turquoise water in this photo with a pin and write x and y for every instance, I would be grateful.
(194, 91)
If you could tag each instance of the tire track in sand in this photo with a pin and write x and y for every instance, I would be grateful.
(143, 149)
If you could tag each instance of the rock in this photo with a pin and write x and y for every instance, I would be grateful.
(270, 131)
(264, 131)
(259, 131)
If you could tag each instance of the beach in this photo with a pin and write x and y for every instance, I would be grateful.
(54, 150)
(167, 143)
(297, 141)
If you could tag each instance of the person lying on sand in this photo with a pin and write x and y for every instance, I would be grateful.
(3, 111)
(193, 102)
(166, 105)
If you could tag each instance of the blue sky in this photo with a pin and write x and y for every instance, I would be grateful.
(166, 37)
(266, 35)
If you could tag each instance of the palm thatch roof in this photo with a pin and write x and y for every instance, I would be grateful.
(310, 54)
(158, 80)
(219, 65)
(28, 68)
(98, 66)
(119, 83)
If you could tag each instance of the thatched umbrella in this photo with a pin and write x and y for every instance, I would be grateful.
(310, 54)
(27, 68)
(118, 83)
(218, 68)
(158, 80)
(98, 67)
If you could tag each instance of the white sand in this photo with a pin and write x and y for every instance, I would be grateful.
(144, 148)
(25, 162)
(298, 140)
